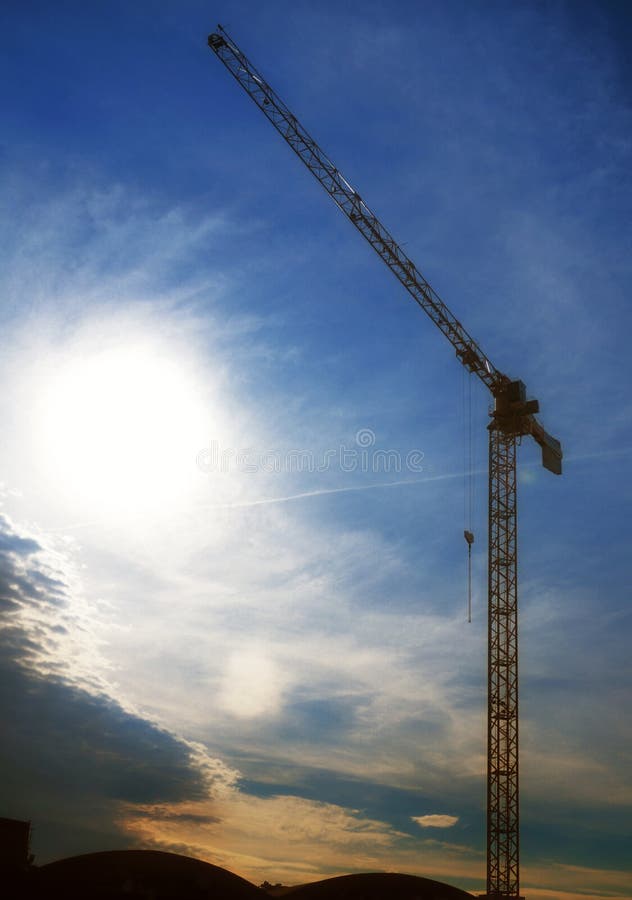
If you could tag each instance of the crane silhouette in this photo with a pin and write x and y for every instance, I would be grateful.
(512, 417)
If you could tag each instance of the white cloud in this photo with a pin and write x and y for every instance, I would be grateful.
(435, 821)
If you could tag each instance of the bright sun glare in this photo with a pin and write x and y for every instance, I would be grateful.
(121, 428)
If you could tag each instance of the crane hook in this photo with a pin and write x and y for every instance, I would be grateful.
(469, 537)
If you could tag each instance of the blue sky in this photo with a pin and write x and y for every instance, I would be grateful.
(208, 647)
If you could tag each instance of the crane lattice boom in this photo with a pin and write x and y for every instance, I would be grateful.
(354, 207)
(513, 417)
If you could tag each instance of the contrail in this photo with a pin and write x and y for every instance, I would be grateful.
(323, 491)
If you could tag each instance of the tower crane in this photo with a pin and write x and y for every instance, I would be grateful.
(512, 417)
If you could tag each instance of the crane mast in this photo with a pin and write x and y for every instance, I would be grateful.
(512, 417)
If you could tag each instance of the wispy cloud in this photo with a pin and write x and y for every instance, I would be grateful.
(290, 839)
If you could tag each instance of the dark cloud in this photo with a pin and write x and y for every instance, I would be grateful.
(185, 818)
(25, 579)
(82, 745)
(13, 543)
(71, 758)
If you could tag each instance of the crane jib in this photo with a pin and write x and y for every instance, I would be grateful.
(359, 214)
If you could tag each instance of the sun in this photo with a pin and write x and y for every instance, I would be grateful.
(120, 426)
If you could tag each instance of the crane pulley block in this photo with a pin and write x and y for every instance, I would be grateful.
(468, 357)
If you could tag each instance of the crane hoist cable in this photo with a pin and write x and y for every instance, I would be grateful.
(468, 482)
(468, 493)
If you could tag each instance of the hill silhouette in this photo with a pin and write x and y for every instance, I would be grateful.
(382, 886)
(135, 874)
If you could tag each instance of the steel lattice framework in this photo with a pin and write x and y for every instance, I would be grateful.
(503, 846)
(512, 417)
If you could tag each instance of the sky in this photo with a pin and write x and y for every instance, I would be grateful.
(236, 459)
